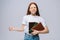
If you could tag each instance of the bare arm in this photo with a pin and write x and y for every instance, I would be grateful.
(21, 29)
(41, 32)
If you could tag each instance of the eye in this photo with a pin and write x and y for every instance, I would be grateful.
(34, 7)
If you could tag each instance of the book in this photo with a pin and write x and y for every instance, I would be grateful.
(35, 26)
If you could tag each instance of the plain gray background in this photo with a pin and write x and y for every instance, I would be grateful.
(12, 11)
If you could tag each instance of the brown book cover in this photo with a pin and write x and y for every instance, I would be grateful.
(35, 26)
(38, 27)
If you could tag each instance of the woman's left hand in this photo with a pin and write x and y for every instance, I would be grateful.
(35, 32)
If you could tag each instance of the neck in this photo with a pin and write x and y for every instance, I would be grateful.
(33, 14)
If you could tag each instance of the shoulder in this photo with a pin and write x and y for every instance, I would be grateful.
(26, 16)
(41, 17)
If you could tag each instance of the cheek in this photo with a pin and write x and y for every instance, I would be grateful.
(30, 10)
(35, 9)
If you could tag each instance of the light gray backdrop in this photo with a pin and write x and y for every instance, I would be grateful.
(12, 11)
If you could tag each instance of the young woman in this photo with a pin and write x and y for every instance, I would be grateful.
(31, 16)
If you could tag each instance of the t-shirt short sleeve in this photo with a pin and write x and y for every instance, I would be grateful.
(24, 21)
(43, 22)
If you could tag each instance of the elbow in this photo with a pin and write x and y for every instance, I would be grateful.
(47, 31)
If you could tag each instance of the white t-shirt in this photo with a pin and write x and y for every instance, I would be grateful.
(31, 18)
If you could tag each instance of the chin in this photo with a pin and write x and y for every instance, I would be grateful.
(33, 13)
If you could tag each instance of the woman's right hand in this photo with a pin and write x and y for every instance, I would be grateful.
(11, 28)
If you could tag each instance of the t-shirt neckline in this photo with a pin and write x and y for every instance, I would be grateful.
(32, 15)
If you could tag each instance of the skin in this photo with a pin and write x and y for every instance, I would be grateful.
(33, 10)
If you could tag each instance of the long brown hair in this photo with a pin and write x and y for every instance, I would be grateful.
(37, 12)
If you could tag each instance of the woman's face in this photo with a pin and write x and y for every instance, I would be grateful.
(33, 9)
